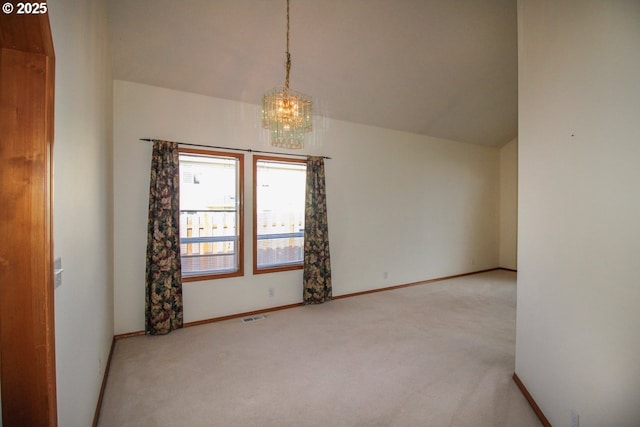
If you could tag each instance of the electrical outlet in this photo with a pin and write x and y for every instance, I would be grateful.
(272, 292)
(385, 275)
(575, 419)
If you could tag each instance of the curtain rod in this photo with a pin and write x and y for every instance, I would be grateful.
(247, 150)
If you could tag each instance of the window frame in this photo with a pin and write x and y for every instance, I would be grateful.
(240, 213)
(265, 270)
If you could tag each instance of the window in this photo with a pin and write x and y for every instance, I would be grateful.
(211, 225)
(278, 213)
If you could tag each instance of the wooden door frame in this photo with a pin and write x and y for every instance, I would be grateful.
(27, 333)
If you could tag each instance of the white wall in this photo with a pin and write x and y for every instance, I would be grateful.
(82, 205)
(409, 205)
(509, 205)
(577, 344)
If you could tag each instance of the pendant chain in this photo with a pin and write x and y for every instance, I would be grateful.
(286, 81)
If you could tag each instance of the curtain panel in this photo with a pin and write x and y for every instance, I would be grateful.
(163, 304)
(317, 260)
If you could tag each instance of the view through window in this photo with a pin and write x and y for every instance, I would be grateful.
(210, 214)
(279, 198)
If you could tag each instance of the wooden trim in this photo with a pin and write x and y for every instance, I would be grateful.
(406, 285)
(202, 278)
(27, 327)
(279, 159)
(508, 269)
(128, 335)
(26, 33)
(96, 416)
(245, 314)
(300, 304)
(257, 270)
(240, 192)
(531, 400)
(216, 319)
(275, 269)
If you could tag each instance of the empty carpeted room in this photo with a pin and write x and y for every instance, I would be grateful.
(460, 240)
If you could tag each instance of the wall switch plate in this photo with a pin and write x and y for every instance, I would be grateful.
(575, 419)
(57, 272)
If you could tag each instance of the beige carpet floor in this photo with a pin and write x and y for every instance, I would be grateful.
(437, 354)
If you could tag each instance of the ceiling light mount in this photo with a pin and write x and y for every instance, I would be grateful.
(286, 113)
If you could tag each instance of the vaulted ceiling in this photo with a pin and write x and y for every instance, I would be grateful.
(444, 68)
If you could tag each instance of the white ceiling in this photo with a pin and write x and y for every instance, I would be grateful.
(445, 68)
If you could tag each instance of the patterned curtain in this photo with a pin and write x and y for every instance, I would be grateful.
(163, 305)
(317, 261)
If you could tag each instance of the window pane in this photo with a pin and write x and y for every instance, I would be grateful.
(209, 214)
(280, 193)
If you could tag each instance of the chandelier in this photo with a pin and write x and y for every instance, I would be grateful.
(286, 113)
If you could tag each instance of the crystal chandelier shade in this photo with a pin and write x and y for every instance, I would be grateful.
(286, 113)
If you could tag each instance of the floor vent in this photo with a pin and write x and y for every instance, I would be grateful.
(253, 318)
